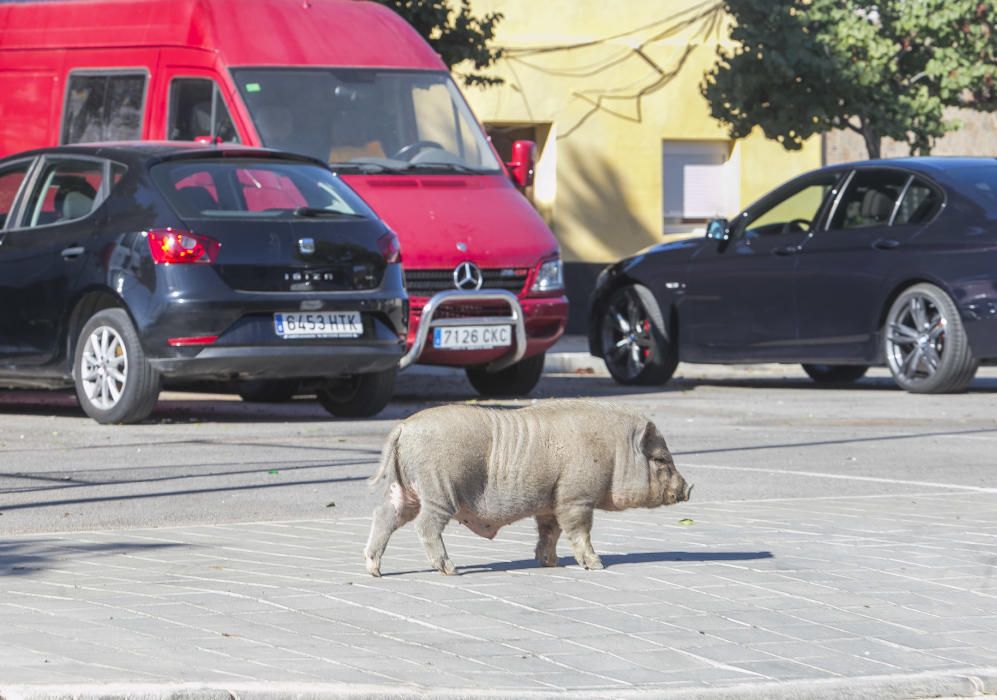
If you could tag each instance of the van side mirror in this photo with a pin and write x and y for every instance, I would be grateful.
(523, 163)
(718, 229)
(208, 139)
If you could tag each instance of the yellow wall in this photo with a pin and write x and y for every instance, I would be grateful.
(604, 198)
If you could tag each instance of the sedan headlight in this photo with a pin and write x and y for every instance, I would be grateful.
(550, 277)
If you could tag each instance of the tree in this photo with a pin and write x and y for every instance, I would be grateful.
(456, 35)
(882, 68)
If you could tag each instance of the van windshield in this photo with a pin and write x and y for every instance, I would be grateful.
(367, 120)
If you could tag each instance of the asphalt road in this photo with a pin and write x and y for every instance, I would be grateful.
(749, 433)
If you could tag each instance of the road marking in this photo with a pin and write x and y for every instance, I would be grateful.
(846, 477)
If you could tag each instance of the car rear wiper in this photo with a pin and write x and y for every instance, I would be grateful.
(319, 211)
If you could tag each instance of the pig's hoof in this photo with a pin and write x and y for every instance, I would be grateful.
(547, 560)
(594, 563)
(447, 568)
(373, 566)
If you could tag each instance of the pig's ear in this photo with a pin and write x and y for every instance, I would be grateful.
(649, 440)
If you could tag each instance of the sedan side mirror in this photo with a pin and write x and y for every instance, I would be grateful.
(718, 229)
(521, 167)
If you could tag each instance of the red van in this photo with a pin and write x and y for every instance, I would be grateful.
(348, 82)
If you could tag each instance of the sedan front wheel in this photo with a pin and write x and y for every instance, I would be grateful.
(925, 343)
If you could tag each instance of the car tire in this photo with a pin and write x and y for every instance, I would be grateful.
(115, 383)
(835, 375)
(359, 396)
(267, 390)
(925, 343)
(636, 342)
(515, 380)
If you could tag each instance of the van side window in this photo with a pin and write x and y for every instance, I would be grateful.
(66, 190)
(104, 108)
(11, 178)
(198, 109)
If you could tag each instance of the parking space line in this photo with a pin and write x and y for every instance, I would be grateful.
(846, 477)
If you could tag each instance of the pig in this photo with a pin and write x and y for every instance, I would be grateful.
(556, 461)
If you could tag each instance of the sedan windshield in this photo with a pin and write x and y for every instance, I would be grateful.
(378, 121)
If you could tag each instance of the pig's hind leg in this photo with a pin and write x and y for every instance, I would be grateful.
(576, 520)
(430, 524)
(548, 531)
(398, 508)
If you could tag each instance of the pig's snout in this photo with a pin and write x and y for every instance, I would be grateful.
(688, 492)
(679, 491)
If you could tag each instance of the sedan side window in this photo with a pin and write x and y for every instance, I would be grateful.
(919, 205)
(795, 212)
(11, 179)
(65, 191)
(870, 199)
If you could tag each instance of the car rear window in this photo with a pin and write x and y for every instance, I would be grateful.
(256, 189)
(980, 184)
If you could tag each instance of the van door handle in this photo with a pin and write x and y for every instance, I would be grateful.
(787, 250)
(73, 252)
(885, 244)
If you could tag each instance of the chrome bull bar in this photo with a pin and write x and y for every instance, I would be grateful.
(428, 322)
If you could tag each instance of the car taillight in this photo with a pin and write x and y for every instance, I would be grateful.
(169, 247)
(390, 248)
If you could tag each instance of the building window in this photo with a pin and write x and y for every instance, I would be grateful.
(700, 180)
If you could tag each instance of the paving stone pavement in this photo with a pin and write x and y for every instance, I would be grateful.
(817, 595)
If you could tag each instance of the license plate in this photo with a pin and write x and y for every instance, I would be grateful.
(472, 337)
(318, 324)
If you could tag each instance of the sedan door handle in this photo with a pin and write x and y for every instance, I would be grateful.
(885, 244)
(787, 250)
(73, 252)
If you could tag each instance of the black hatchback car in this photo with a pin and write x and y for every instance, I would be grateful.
(884, 262)
(124, 265)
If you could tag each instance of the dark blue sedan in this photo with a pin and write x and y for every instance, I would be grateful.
(884, 262)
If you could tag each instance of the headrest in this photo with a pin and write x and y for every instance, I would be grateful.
(76, 205)
(877, 206)
(74, 197)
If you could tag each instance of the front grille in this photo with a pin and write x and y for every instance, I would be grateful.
(426, 283)
(482, 310)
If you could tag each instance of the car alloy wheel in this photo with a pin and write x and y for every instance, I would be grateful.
(636, 346)
(627, 341)
(925, 343)
(104, 367)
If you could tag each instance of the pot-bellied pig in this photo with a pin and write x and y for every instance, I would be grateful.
(556, 461)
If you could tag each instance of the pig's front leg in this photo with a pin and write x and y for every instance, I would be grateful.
(430, 524)
(548, 531)
(576, 520)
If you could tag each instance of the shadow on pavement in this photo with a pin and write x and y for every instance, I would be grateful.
(31, 556)
(415, 392)
(608, 560)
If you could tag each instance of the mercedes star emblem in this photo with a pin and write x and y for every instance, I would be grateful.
(467, 275)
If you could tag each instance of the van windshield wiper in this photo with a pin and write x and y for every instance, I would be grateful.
(447, 167)
(319, 211)
(364, 168)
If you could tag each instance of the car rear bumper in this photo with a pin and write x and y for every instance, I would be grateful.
(276, 362)
(544, 319)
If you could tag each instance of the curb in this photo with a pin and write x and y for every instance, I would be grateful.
(962, 683)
